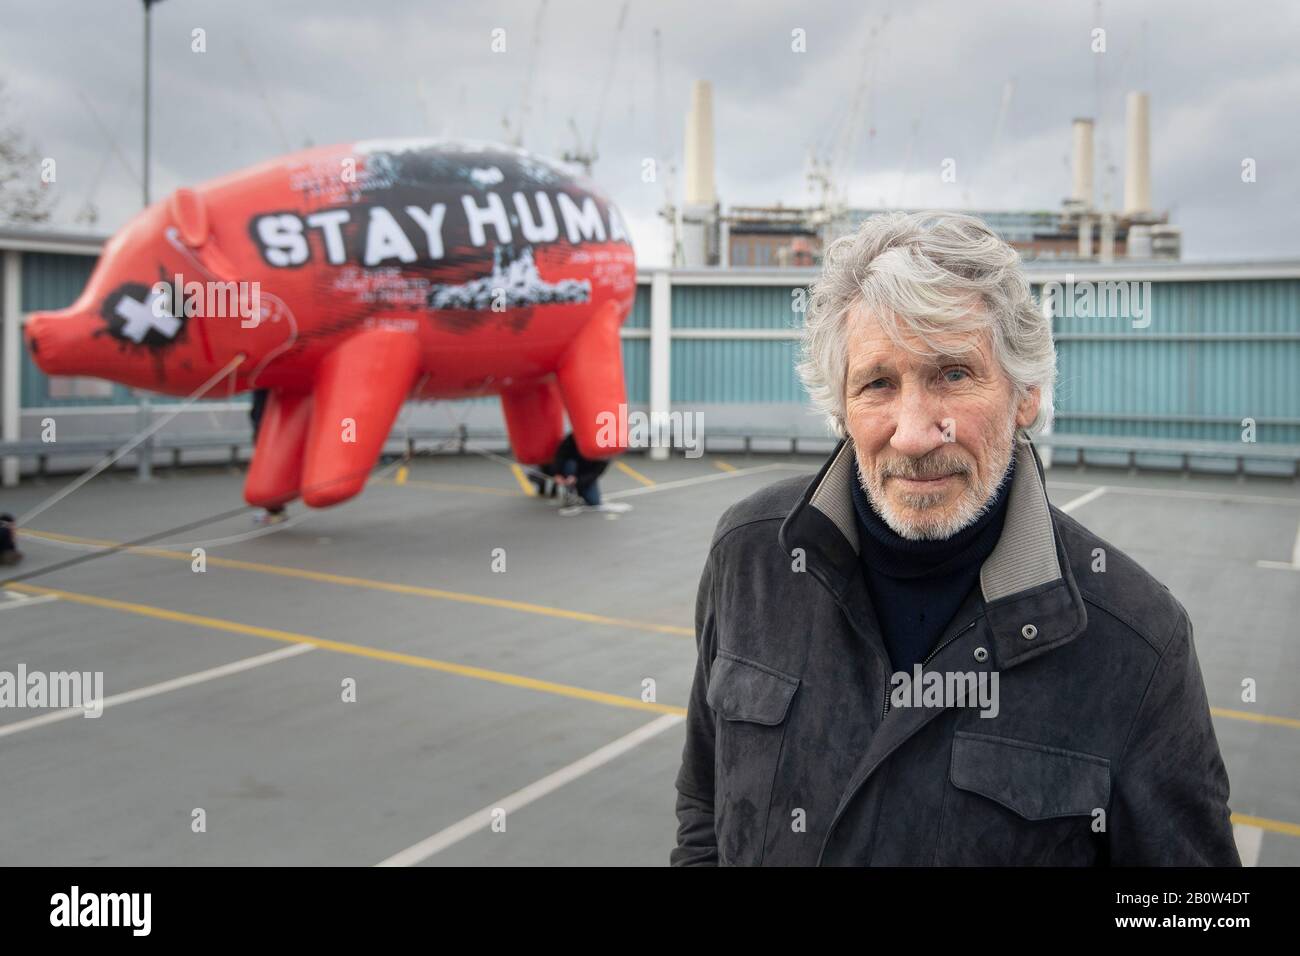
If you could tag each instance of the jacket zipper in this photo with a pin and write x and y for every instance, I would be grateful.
(831, 830)
(884, 712)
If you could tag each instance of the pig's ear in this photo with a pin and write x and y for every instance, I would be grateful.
(191, 216)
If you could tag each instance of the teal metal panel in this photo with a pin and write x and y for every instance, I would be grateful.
(52, 281)
(736, 307)
(734, 370)
(1193, 372)
(639, 318)
(1126, 381)
(1181, 308)
(636, 370)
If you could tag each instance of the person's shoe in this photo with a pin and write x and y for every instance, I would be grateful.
(269, 517)
(10, 557)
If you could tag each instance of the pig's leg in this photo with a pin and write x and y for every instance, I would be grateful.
(276, 470)
(534, 419)
(360, 388)
(591, 381)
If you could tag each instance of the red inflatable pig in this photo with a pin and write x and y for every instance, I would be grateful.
(347, 279)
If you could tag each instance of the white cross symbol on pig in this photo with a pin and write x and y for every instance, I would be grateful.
(139, 317)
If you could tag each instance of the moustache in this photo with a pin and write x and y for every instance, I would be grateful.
(931, 466)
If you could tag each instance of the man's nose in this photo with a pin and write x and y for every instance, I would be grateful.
(919, 428)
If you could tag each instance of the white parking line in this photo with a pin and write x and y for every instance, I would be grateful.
(482, 819)
(153, 690)
(1082, 500)
(14, 599)
(1282, 565)
(698, 480)
(1249, 839)
(1183, 493)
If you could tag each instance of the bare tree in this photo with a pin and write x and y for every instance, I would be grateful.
(23, 195)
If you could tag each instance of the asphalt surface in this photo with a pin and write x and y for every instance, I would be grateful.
(446, 671)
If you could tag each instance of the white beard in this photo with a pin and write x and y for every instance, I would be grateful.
(938, 526)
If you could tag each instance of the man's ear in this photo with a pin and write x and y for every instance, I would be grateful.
(1027, 410)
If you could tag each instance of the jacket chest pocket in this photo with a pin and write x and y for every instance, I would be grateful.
(1015, 803)
(751, 702)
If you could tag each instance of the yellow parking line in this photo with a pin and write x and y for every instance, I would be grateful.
(1276, 826)
(389, 586)
(446, 667)
(627, 469)
(524, 483)
(357, 650)
(721, 465)
(325, 577)
(1255, 718)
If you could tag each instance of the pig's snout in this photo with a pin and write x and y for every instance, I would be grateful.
(34, 330)
(52, 341)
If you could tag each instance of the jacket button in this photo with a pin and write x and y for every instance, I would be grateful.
(981, 654)
(1029, 632)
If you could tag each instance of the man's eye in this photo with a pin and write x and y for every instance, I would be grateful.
(955, 374)
(877, 384)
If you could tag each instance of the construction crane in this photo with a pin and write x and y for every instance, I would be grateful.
(907, 161)
(829, 173)
(586, 156)
(516, 135)
(664, 170)
(89, 212)
(1004, 109)
(422, 97)
(251, 69)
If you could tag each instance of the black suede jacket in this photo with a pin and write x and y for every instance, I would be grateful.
(1100, 749)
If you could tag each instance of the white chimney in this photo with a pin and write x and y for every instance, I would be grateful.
(1137, 151)
(1083, 162)
(699, 147)
(1106, 241)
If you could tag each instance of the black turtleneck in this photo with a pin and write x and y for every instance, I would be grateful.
(917, 586)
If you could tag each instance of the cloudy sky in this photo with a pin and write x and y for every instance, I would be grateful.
(1224, 82)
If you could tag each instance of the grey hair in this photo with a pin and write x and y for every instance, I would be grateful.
(925, 273)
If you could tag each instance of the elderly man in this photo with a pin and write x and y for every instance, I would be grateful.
(914, 658)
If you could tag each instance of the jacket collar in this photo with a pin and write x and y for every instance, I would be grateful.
(1029, 594)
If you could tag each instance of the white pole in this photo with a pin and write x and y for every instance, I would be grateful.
(661, 344)
(11, 350)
